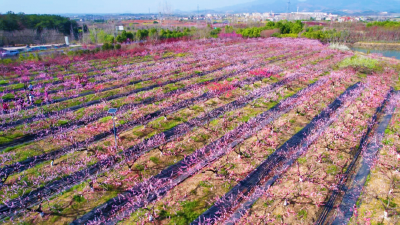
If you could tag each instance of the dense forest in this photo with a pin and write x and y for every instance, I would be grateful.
(21, 21)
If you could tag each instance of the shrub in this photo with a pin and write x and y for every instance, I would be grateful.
(142, 34)
(214, 33)
(164, 34)
(105, 119)
(320, 35)
(139, 167)
(361, 64)
(8, 96)
(154, 159)
(276, 35)
(325, 36)
(3, 82)
(289, 35)
(79, 198)
(130, 35)
(332, 169)
(121, 39)
(302, 214)
(339, 46)
(205, 184)
(302, 160)
(187, 214)
(107, 46)
(281, 27)
(7, 61)
(384, 24)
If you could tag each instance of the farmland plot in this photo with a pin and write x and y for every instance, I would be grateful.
(225, 131)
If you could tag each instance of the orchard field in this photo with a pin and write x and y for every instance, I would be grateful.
(223, 131)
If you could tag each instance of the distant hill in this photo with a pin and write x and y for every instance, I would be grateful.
(316, 5)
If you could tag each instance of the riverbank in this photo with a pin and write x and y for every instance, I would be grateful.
(376, 45)
(388, 54)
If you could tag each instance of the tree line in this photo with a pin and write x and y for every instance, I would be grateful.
(16, 22)
(285, 28)
(152, 33)
(388, 24)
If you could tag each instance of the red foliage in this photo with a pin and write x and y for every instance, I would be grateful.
(220, 88)
(99, 87)
(315, 23)
(229, 35)
(261, 72)
(268, 33)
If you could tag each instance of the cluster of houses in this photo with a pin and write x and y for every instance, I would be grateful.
(317, 16)
(236, 17)
(271, 16)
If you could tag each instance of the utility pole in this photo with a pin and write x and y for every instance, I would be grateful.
(83, 33)
(198, 13)
(113, 112)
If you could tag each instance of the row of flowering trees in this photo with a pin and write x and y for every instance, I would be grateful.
(201, 125)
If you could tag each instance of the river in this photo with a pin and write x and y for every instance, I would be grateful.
(386, 53)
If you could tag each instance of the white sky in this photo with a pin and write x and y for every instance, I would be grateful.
(108, 6)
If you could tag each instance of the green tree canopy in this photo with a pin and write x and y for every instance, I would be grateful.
(13, 22)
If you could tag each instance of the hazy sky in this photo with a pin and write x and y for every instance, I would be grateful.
(108, 6)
